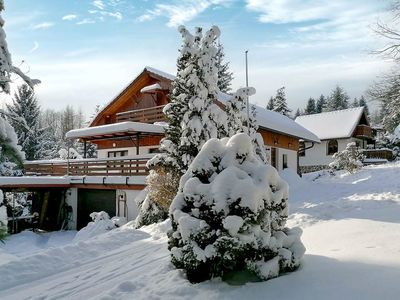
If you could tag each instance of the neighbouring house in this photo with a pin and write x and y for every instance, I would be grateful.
(127, 132)
(336, 129)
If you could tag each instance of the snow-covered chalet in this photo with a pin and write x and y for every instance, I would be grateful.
(336, 129)
(127, 132)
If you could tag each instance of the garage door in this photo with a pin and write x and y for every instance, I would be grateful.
(94, 200)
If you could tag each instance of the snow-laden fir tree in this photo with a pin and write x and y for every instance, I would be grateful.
(363, 103)
(349, 159)
(11, 156)
(338, 99)
(238, 122)
(355, 103)
(225, 77)
(3, 218)
(271, 103)
(280, 103)
(311, 107)
(230, 213)
(321, 105)
(6, 65)
(192, 115)
(297, 113)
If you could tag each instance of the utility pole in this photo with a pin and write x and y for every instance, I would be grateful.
(247, 97)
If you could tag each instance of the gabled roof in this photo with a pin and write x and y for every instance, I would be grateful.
(334, 124)
(149, 70)
(266, 119)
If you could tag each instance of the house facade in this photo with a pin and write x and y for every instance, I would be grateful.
(127, 132)
(335, 129)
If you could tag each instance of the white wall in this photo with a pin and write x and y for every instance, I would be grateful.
(316, 156)
(131, 203)
(291, 155)
(103, 153)
(71, 199)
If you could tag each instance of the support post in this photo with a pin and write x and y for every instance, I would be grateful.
(84, 148)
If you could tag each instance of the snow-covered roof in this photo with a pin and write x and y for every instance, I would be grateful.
(152, 87)
(123, 127)
(277, 122)
(34, 180)
(334, 124)
(160, 73)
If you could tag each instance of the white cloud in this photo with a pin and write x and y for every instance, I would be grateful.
(35, 47)
(86, 21)
(80, 52)
(180, 12)
(99, 4)
(43, 25)
(69, 17)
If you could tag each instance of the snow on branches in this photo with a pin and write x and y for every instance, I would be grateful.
(6, 66)
(230, 214)
(350, 159)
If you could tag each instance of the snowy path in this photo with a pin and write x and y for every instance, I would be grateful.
(351, 231)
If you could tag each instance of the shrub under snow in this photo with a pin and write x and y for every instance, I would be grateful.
(3, 218)
(350, 159)
(101, 223)
(230, 214)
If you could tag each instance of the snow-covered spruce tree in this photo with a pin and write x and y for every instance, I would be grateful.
(225, 77)
(230, 214)
(280, 103)
(23, 115)
(363, 103)
(338, 99)
(11, 156)
(321, 104)
(271, 103)
(193, 119)
(311, 107)
(350, 159)
(236, 111)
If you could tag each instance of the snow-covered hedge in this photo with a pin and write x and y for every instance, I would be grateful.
(350, 159)
(101, 223)
(230, 214)
(3, 218)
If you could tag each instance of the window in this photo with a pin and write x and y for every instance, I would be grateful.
(154, 150)
(274, 157)
(117, 153)
(332, 147)
(284, 161)
(302, 147)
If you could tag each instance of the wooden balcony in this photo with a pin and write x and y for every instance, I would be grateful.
(378, 154)
(123, 166)
(146, 115)
(363, 131)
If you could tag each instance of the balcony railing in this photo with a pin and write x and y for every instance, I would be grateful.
(363, 131)
(123, 166)
(145, 115)
(378, 154)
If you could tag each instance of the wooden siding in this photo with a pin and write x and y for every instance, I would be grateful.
(274, 139)
(143, 141)
(363, 131)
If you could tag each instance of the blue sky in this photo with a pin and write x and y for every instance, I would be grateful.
(86, 51)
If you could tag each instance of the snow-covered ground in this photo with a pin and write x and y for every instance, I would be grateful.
(351, 229)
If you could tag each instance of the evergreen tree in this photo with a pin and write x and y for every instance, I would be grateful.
(338, 99)
(11, 156)
(225, 77)
(355, 103)
(321, 104)
(311, 107)
(193, 118)
(271, 103)
(298, 113)
(363, 103)
(24, 117)
(229, 215)
(280, 104)
(238, 122)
